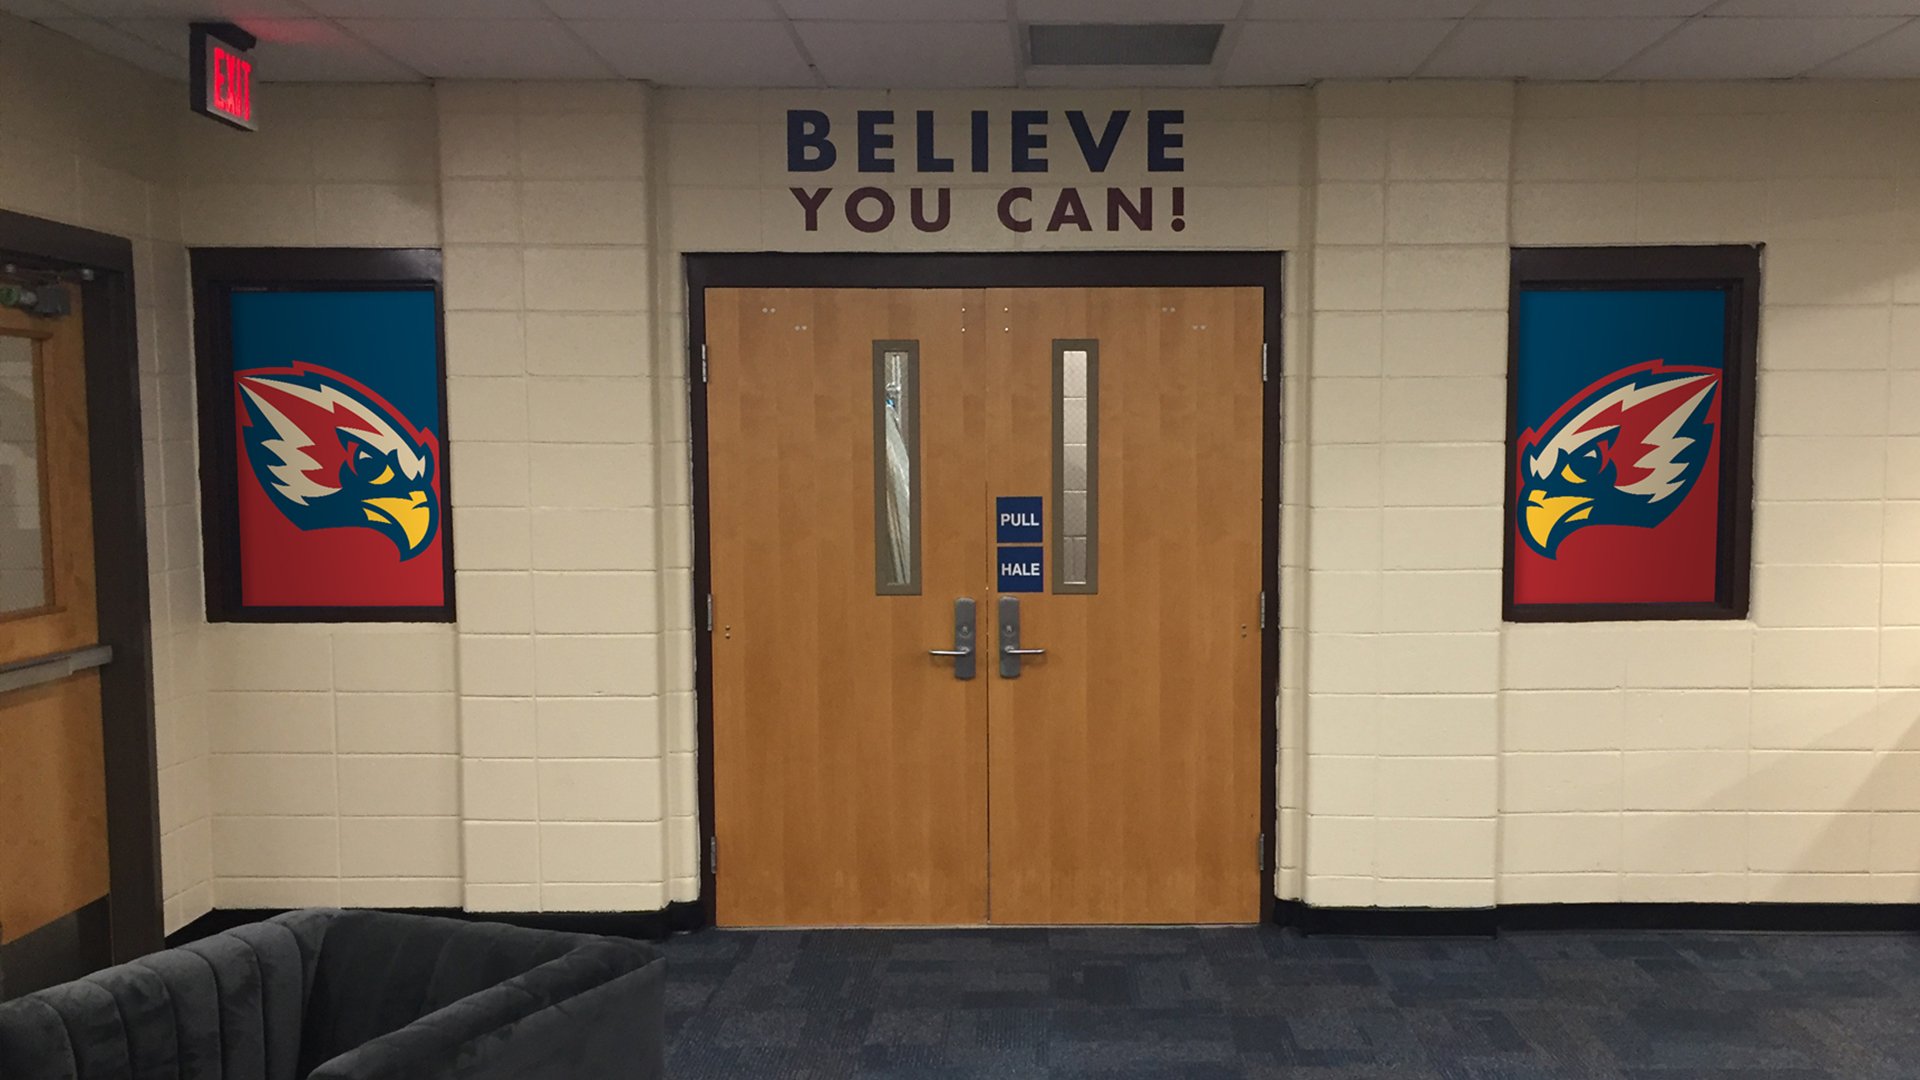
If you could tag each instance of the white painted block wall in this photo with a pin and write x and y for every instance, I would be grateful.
(1405, 409)
(1773, 759)
(333, 769)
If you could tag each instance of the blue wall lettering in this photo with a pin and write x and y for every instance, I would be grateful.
(873, 140)
(929, 161)
(808, 148)
(1097, 152)
(1162, 140)
(1027, 141)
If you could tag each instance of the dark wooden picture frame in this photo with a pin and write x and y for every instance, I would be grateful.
(217, 273)
(1031, 270)
(1731, 269)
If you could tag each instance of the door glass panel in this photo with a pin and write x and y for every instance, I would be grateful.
(1076, 427)
(896, 457)
(23, 516)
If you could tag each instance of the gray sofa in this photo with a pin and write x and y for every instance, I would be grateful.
(352, 995)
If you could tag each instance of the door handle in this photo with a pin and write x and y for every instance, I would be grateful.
(962, 651)
(46, 669)
(1010, 650)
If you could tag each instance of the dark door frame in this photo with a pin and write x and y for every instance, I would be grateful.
(971, 270)
(134, 913)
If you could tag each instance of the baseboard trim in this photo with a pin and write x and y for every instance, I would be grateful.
(678, 917)
(1385, 922)
(62, 950)
(1525, 918)
(689, 915)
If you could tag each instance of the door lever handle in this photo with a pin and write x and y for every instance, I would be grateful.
(1010, 650)
(962, 651)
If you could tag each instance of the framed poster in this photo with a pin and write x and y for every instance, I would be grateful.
(1630, 385)
(323, 435)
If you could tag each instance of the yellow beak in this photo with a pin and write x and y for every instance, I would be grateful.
(412, 514)
(1545, 513)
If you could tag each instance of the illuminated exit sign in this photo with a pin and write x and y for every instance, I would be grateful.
(223, 74)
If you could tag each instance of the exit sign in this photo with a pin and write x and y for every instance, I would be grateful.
(223, 74)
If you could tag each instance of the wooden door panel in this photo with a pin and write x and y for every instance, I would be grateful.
(1125, 763)
(850, 769)
(53, 803)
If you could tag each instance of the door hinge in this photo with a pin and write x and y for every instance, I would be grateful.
(1263, 609)
(709, 613)
(703, 363)
(1263, 361)
(1260, 856)
(713, 854)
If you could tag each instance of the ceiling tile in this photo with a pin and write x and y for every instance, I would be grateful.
(897, 10)
(167, 35)
(1894, 56)
(911, 54)
(118, 43)
(700, 53)
(1716, 48)
(309, 50)
(189, 9)
(1269, 54)
(428, 9)
(1341, 10)
(482, 48)
(1571, 9)
(37, 10)
(1125, 11)
(1120, 75)
(665, 10)
(1543, 48)
(1786, 8)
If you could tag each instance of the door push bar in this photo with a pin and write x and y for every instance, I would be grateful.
(48, 669)
(963, 652)
(1010, 650)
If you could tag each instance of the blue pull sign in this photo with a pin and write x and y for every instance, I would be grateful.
(1017, 519)
(1021, 570)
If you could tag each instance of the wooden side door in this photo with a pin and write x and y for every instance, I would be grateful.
(53, 822)
(850, 783)
(1126, 760)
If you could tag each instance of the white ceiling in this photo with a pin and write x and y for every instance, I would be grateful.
(977, 43)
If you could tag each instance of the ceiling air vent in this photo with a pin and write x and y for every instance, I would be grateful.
(1129, 44)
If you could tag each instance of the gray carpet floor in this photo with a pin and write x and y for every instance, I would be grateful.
(1214, 1004)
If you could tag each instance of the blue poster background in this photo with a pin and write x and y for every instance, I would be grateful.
(1569, 338)
(382, 338)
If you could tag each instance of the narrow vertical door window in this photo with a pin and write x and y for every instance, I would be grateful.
(1076, 460)
(896, 458)
(23, 533)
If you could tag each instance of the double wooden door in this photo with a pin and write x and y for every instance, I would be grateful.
(905, 484)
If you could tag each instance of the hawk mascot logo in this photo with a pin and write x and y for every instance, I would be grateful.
(1624, 451)
(332, 454)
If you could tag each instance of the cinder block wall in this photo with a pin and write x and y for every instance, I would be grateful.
(1776, 759)
(539, 754)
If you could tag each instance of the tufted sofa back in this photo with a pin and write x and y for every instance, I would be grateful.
(352, 995)
(226, 1008)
